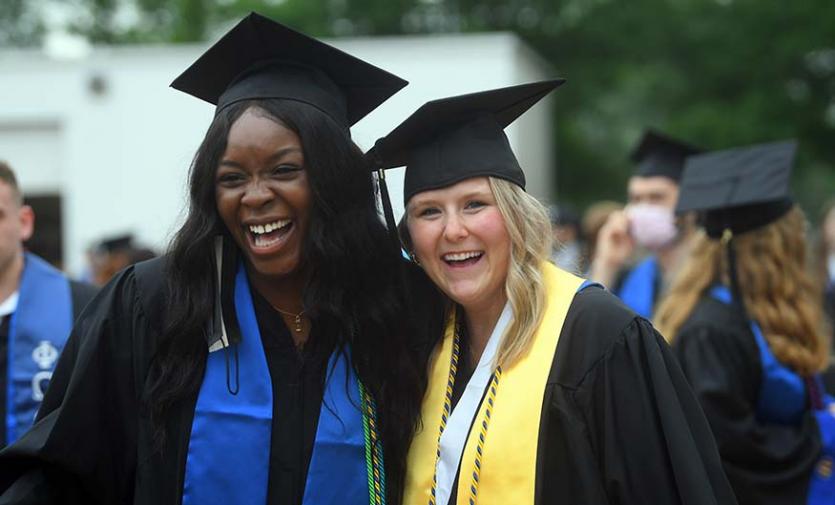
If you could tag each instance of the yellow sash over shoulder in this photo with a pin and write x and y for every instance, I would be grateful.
(508, 464)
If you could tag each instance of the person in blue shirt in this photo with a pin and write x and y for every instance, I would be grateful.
(647, 224)
(38, 304)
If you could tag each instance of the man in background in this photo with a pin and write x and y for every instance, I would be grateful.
(38, 305)
(113, 254)
(648, 224)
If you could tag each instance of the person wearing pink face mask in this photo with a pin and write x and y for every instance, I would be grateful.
(648, 223)
(543, 388)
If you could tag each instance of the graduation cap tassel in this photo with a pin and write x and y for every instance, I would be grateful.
(236, 363)
(224, 330)
(228, 274)
(727, 240)
(387, 210)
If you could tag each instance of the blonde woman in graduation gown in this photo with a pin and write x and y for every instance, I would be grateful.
(542, 388)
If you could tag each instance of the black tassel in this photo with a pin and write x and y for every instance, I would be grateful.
(387, 210)
(237, 387)
(730, 248)
(228, 272)
(374, 158)
(226, 308)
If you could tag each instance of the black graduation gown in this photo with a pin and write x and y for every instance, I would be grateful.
(620, 425)
(92, 442)
(765, 463)
(80, 295)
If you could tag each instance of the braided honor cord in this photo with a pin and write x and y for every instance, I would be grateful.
(453, 369)
(485, 423)
(373, 450)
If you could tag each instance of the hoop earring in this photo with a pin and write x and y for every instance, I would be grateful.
(414, 258)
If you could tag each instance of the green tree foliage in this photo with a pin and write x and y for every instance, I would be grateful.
(718, 73)
(20, 24)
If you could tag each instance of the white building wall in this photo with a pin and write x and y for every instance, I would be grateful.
(533, 133)
(119, 158)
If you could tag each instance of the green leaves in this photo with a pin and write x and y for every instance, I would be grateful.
(718, 73)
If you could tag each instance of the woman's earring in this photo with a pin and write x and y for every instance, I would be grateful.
(414, 258)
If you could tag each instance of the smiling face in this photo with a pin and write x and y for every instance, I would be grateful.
(263, 195)
(461, 241)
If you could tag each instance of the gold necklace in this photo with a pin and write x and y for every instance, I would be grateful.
(297, 318)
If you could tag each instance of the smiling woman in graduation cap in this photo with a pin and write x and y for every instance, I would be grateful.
(543, 388)
(263, 358)
(747, 327)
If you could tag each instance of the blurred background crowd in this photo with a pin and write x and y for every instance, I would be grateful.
(717, 73)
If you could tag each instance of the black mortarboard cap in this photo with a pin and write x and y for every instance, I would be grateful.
(564, 215)
(259, 59)
(452, 139)
(115, 243)
(659, 154)
(738, 189)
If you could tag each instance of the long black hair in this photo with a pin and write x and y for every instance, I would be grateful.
(355, 282)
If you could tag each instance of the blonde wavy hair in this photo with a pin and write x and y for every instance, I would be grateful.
(529, 229)
(776, 287)
(531, 239)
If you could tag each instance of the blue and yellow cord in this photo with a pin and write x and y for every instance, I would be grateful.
(485, 423)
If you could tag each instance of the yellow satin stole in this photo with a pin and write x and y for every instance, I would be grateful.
(508, 467)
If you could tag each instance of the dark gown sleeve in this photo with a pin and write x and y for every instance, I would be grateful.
(651, 440)
(766, 463)
(82, 447)
(81, 294)
(621, 426)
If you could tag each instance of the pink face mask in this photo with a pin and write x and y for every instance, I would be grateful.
(652, 226)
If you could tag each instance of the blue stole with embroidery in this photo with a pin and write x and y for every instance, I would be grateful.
(38, 329)
(783, 400)
(229, 450)
(638, 288)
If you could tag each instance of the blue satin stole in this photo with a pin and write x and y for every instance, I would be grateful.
(38, 329)
(229, 450)
(638, 288)
(782, 397)
(783, 400)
